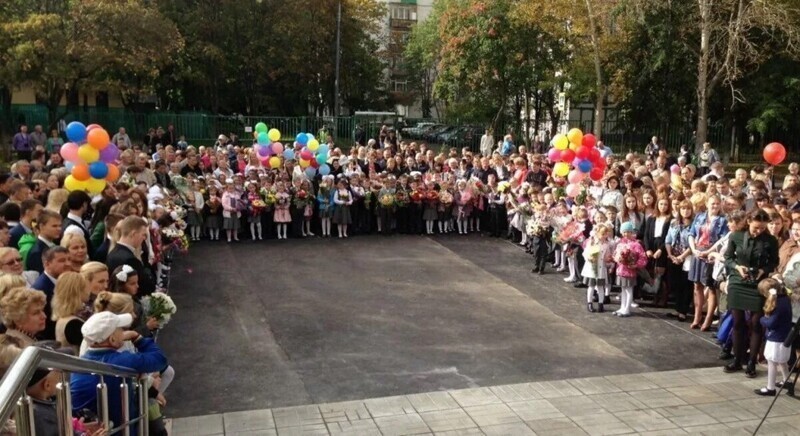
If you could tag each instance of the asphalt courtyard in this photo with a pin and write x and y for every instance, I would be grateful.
(287, 323)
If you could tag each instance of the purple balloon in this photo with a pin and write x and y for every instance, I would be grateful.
(263, 150)
(109, 154)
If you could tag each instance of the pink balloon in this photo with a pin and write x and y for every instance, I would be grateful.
(554, 155)
(277, 147)
(573, 190)
(93, 126)
(675, 169)
(575, 176)
(69, 152)
(576, 162)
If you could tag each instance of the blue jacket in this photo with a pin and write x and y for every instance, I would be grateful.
(719, 227)
(779, 322)
(84, 386)
(44, 284)
(16, 233)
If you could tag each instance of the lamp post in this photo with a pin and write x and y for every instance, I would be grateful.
(338, 58)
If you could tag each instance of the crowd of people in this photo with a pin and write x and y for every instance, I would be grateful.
(670, 229)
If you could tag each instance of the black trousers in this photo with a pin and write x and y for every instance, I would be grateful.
(679, 286)
(746, 332)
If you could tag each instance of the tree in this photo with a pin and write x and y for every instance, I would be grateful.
(109, 45)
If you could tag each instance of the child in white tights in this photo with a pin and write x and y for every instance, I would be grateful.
(630, 257)
(777, 322)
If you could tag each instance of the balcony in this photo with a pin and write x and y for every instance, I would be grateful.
(401, 24)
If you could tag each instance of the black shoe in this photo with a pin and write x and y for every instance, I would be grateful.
(594, 298)
(541, 271)
(789, 386)
(606, 300)
(580, 285)
(600, 308)
(764, 392)
(750, 372)
(725, 355)
(535, 270)
(732, 367)
(590, 307)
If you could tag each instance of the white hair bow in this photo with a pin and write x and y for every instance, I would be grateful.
(123, 275)
(773, 291)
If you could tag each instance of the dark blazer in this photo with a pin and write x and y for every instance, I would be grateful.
(86, 234)
(16, 233)
(122, 255)
(34, 261)
(650, 242)
(101, 254)
(44, 284)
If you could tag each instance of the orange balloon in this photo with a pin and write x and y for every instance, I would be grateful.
(113, 173)
(98, 138)
(81, 172)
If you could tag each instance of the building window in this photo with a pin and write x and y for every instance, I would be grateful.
(401, 13)
(400, 85)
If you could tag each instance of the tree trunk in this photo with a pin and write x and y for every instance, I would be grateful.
(701, 129)
(600, 91)
(527, 118)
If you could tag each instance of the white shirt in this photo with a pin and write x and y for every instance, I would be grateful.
(73, 228)
(659, 226)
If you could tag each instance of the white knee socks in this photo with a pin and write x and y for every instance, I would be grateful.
(772, 373)
(626, 298)
(590, 293)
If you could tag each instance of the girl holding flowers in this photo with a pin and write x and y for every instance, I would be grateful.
(213, 212)
(325, 201)
(597, 253)
(308, 212)
(630, 257)
(463, 209)
(256, 207)
(343, 200)
(282, 216)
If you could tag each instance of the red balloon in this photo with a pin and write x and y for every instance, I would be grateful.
(594, 155)
(314, 163)
(774, 153)
(583, 152)
(589, 140)
(554, 155)
(567, 155)
(306, 155)
(596, 174)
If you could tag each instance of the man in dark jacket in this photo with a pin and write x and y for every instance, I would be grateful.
(78, 203)
(133, 233)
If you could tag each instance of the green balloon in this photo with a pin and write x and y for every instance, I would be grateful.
(261, 127)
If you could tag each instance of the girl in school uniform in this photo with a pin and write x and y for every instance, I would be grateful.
(325, 204)
(282, 217)
(230, 210)
(463, 208)
(597, 254)
(343, 199)
(213, 212)
(308, 212)
(256, 207)
(430, 211)
(194, 216)
(630, 257)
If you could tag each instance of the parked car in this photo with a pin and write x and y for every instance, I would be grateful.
(423, 132)
(442, 136)
(416, 131)
(431, 135)
(467, 136)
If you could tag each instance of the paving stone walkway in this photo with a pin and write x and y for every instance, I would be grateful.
(694, 401)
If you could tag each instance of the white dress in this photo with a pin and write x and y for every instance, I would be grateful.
(599, 271)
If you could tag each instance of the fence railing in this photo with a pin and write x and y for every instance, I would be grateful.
(204, 128)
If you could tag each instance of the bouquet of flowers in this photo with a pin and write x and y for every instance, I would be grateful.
(259, 204)
(478, 187)
(432, 196)
(593, 253)
(269, 197)
(301, 198)
(627, 257)
(159, 306)
(401, 198)
(417, 196)
(571, 233)
(368, 197)
(282, 200)
(446, 198)
(344, 196)
(387, 200)
(537, 227)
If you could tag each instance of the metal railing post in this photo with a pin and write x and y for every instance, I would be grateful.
(102, 402)
(64, 405)
(24, 416)
(126, 410)
(143, 408)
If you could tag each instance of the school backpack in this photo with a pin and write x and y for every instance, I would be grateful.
(725, 328)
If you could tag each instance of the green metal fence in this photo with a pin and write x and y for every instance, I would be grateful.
(203, 128)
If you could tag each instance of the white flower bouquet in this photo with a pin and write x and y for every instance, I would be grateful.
(159, 306)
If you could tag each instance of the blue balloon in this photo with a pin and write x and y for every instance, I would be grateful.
(288, 154)
(322, 158)
(69, 165)
(301, 139)
(98, 169)
(323, 149)
(585, 166)
(311, 172)
(76, 131)
(324, 169)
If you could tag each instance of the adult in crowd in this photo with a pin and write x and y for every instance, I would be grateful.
(23, 312)
(121, 139)
(21, 143)
(55, 264)
(133, 233)
(70, 309)
(752, 255)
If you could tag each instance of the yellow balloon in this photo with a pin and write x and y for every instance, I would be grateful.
(274, 162)
(274, 135)
(561, 142)
(88, 154)
(95, 186)
(573, 146)
(313, 145)
(304, 163)
(73, 184)
(575, 136)
(561, 169)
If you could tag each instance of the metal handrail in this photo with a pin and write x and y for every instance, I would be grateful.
(15, 381)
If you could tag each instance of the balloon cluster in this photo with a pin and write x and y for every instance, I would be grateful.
(578, 151)
(268, 146)
(313, 155)
(90, 157)
(774, 153)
